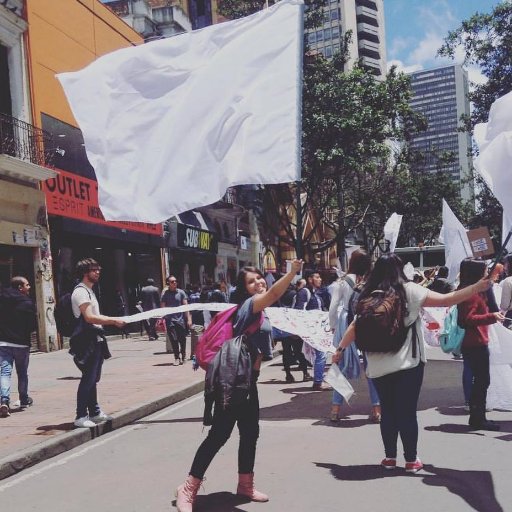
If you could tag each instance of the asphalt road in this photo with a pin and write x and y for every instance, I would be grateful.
(303, 462)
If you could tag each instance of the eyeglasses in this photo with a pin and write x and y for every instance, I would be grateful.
(95, 270)
(173, 281)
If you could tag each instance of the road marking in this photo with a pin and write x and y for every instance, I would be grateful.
(92, 445)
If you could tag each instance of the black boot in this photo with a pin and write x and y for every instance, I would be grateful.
(289, 377)
(478, 421)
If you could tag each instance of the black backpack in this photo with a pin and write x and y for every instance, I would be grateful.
(63, 313)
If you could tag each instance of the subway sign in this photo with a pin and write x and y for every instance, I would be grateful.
(198, 239)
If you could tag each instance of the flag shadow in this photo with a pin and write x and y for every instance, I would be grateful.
(476, 488)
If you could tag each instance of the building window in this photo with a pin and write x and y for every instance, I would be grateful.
(319, 35)
(311, 38)
(327, 34)
(226, 230)
(328, 52)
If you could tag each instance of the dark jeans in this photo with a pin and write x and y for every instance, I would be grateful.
(399, 393)
(478, 360)
(87, 395)
(292, 351)
(246, 416)
(178, 337)
(150, 326)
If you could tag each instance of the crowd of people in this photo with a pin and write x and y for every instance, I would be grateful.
(366, 293)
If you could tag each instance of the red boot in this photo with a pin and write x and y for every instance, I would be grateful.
(186, 494)
(246, 488)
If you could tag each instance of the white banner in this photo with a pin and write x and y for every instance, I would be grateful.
(193, 114)
(392, 229)
(312, 326)
(456, 243)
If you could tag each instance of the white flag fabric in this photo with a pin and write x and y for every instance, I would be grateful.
(456, 242)
(495, 144)
(169, 125)
(391, 230)
(505, 230)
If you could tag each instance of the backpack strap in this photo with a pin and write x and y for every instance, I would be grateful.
(415, 341)
(349, 281)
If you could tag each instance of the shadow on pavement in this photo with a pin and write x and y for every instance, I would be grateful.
(218, 502)
(476, 488)
(450, 428)
(50, 429)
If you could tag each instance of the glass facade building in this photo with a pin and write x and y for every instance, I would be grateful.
(441, 96)
(365, 20)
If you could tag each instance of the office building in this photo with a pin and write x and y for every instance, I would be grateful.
(441, 96)
(365, 20)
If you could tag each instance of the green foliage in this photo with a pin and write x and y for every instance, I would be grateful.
(486, 40)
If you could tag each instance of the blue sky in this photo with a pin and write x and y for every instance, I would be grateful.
(415, 30)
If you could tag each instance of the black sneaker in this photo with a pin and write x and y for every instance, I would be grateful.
(4, 410)
(26, 403)
(290, 377)
(485, 425)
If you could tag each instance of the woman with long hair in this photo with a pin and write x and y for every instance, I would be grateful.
(252, 297)
(359, 266)
(398, 375)
(475, 317)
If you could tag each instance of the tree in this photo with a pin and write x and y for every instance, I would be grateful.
(486, 40)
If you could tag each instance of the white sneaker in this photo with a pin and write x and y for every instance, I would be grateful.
(84, 422)
(101, 417)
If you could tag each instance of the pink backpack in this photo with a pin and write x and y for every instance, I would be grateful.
(219, 331)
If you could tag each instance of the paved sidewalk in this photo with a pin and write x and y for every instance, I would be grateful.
(138, 380)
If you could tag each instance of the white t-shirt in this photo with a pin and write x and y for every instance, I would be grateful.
(82, 294)
(384, 364)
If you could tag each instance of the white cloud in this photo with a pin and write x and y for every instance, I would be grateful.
(403, 67)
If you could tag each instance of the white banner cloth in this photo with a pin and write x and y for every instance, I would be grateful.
(456, 242)
(193, 114)
(391, 230)
(495, 144)
(339, 382)
(312, 326)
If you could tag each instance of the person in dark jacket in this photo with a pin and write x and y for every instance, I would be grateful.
(150, 299)
(17, 322)
(253, 297)
(475, 317)
(441, 283)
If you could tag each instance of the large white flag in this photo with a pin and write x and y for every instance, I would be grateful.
(391, 230)
(169, 125)
(494, 140)
(456, 242)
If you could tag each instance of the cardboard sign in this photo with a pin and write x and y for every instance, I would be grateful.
(481, 243)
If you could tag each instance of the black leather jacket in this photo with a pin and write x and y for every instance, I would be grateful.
(228, 378)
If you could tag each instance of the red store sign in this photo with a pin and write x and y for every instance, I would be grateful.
(70, 195)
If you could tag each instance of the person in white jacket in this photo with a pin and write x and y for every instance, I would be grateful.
(358, 267)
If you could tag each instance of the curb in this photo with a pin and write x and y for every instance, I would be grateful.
(23, 459)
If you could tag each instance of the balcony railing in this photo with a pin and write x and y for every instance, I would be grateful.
(25, 141)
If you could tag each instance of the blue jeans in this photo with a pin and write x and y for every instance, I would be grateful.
(399, 393)
(19, 357)
(87, 395)
(319, 366)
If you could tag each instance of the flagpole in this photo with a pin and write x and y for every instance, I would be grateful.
(299, 231)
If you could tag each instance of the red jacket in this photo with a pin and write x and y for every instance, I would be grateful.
(474, 316)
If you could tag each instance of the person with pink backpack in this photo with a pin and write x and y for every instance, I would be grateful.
(252, 297)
